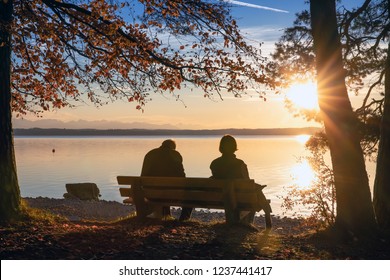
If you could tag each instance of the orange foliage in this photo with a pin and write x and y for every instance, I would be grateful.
(65, 52)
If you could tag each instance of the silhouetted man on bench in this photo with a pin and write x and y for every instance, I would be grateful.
(165, 161)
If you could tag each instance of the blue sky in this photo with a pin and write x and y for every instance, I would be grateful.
(263, 21)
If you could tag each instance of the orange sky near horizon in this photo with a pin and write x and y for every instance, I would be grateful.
(192, 112)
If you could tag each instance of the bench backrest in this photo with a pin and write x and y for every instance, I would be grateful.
(196, 192)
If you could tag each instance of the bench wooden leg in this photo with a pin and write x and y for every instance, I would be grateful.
(268, 221)
(232, 215)
(141, 207)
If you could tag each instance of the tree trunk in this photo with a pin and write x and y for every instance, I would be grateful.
(382, 177)
(9, 187)
(354, 207)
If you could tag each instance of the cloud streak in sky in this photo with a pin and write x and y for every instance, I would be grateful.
(239, 3)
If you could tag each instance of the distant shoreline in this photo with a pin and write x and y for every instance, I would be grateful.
(161, 132)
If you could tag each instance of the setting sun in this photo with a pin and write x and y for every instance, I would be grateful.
(303, 96)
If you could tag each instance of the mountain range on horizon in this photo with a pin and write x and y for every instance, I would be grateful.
(85, 124)
(161, 132)
(54, 124)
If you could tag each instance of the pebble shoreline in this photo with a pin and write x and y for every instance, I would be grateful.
(106, 211)
(103, 210)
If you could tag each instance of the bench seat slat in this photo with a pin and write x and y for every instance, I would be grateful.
(168, 194)
(126, 192)
(249, 198)
(194, 195)
(189, 182)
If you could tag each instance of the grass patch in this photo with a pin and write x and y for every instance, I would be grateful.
(29, 214)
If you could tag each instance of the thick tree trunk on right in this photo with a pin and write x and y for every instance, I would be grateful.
(9, 187)
(382, 177)
(354, 207)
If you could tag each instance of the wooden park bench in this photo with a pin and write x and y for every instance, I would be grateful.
(148, 193)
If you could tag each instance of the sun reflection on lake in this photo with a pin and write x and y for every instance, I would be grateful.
(302, 174)
(303, 138)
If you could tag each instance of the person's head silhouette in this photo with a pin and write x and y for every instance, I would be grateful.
(227, 145)
(169, 144)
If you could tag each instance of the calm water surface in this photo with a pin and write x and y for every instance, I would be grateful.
(271, 160)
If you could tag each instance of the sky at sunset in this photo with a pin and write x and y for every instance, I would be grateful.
(261, 20)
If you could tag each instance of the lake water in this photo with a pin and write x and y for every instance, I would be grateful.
(271, 160)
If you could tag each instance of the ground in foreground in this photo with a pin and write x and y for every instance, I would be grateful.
(74, 229)
(132, 239)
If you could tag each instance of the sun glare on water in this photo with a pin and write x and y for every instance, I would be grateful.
(303, 96)
(302, 138)
(302, 175)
